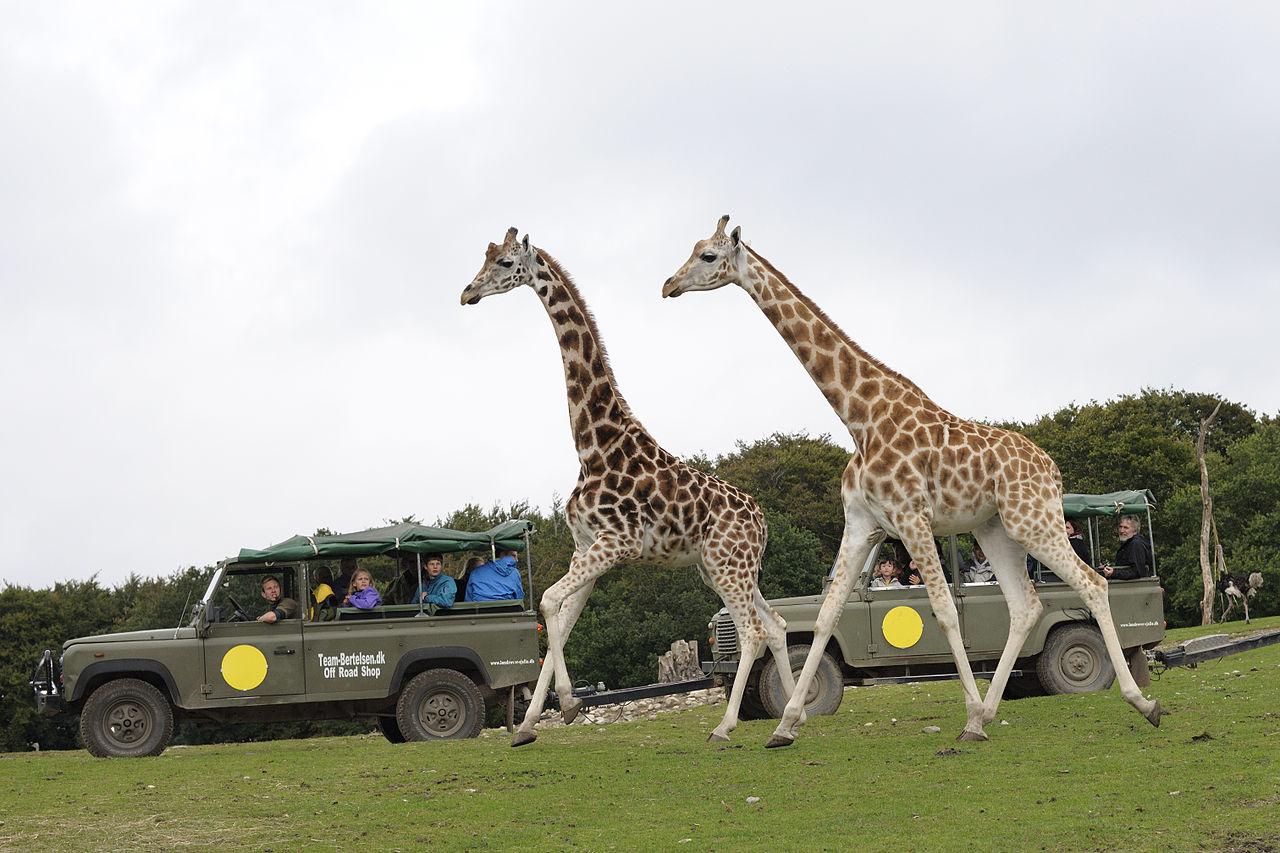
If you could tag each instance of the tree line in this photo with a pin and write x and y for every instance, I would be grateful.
(1146, 440)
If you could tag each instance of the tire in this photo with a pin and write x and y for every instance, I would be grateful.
(126, 718)
(1074, 660)
(750, 709)
(440, 704)
(390, 729)
(824, 694)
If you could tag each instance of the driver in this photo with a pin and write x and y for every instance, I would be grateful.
(281, 608)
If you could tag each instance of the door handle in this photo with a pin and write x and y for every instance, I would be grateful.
(283, 650)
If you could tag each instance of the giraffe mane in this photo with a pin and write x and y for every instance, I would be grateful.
(590, 318)
(831, 324)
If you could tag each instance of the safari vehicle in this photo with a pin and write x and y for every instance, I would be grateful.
(423, 673)
(890, 635)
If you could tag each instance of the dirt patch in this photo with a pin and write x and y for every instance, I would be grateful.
(1241, 843)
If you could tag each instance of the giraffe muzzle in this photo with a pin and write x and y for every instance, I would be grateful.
(669, 288)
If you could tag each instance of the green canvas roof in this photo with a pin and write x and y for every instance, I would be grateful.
(411, 538)
(1112, 503)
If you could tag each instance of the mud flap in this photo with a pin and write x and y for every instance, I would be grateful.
(1138, 667)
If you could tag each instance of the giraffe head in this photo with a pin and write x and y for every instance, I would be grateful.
(506, 267)
(715, 262)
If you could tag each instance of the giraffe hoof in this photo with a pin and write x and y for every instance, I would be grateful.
(968, 735)
(521, 737)
(779, 740)
(1153, 716)
(569, 712)
(716, 737)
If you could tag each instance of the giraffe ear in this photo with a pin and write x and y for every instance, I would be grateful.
(525, 242)
(736, 236)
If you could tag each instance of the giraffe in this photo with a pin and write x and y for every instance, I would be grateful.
(917, 471)
(633, 499)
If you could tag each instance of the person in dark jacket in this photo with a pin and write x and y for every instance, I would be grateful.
(496, 580)
(1133, 557)
(1076, 538)
(436, 588)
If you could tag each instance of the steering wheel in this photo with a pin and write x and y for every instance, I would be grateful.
(240, 614)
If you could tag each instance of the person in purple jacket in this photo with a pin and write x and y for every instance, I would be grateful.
(364, 594)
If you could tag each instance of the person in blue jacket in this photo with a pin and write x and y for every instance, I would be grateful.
(436, 588)
(496, 580)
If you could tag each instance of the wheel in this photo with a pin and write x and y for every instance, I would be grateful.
(440, 704)
(750, 709)
(126, 718)
(390, 729)
(1074, 660)
(825, 692)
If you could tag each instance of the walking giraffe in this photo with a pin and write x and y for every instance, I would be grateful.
(917, 471)
(633, 500)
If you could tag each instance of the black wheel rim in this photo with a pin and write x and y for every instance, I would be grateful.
(442, 712)
(1080, 664)
(127, 723)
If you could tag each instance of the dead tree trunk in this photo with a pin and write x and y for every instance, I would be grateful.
(679, 664)
(1206, 521)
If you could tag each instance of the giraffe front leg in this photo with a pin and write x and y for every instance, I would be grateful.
(854, 548)
(916, 531)
(584, 569)
(569, 613)
(1009, 562)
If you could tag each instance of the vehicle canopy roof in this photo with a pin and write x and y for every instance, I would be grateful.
(411, 538)
(1112, 503)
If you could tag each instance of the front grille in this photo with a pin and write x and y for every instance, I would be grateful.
(726, 636)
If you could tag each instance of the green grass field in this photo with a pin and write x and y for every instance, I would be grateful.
(1066, 772)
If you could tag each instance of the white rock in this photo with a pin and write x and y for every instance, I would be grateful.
(931, 730)
(752, 800)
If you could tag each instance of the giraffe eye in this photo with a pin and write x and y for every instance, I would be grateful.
(506, 264)
(708, 256)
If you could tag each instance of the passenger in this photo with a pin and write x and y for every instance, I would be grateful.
(401, 590)
(323, 598)
(436, 588)
(1076, 538)
(978, 569)
(342, 583)
(496, 580)
(364, 594)
(886, 575)
(1133, 557)
(915, 574)
(472, 562)
(280, 607)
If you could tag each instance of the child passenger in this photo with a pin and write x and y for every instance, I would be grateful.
(886, 575)
(364, 594)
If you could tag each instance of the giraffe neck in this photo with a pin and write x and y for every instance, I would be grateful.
(851, 380)
(598, 415)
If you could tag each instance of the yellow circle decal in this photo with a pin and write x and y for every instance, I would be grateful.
(902, 627)
(244, 667)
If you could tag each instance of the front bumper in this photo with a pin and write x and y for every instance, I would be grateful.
(46, 684)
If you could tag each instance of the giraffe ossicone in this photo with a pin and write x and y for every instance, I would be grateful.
(917, 471)
(633, 499)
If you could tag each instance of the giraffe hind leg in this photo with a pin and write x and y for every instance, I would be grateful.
(734, 580)
(1054, 551)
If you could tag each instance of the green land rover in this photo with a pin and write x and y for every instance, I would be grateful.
(421, 671)
(889, 634)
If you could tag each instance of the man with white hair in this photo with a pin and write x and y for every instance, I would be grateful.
(1133, 557)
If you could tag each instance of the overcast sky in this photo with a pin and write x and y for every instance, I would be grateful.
(233, 236)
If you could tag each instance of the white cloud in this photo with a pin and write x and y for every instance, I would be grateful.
(236, 234)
